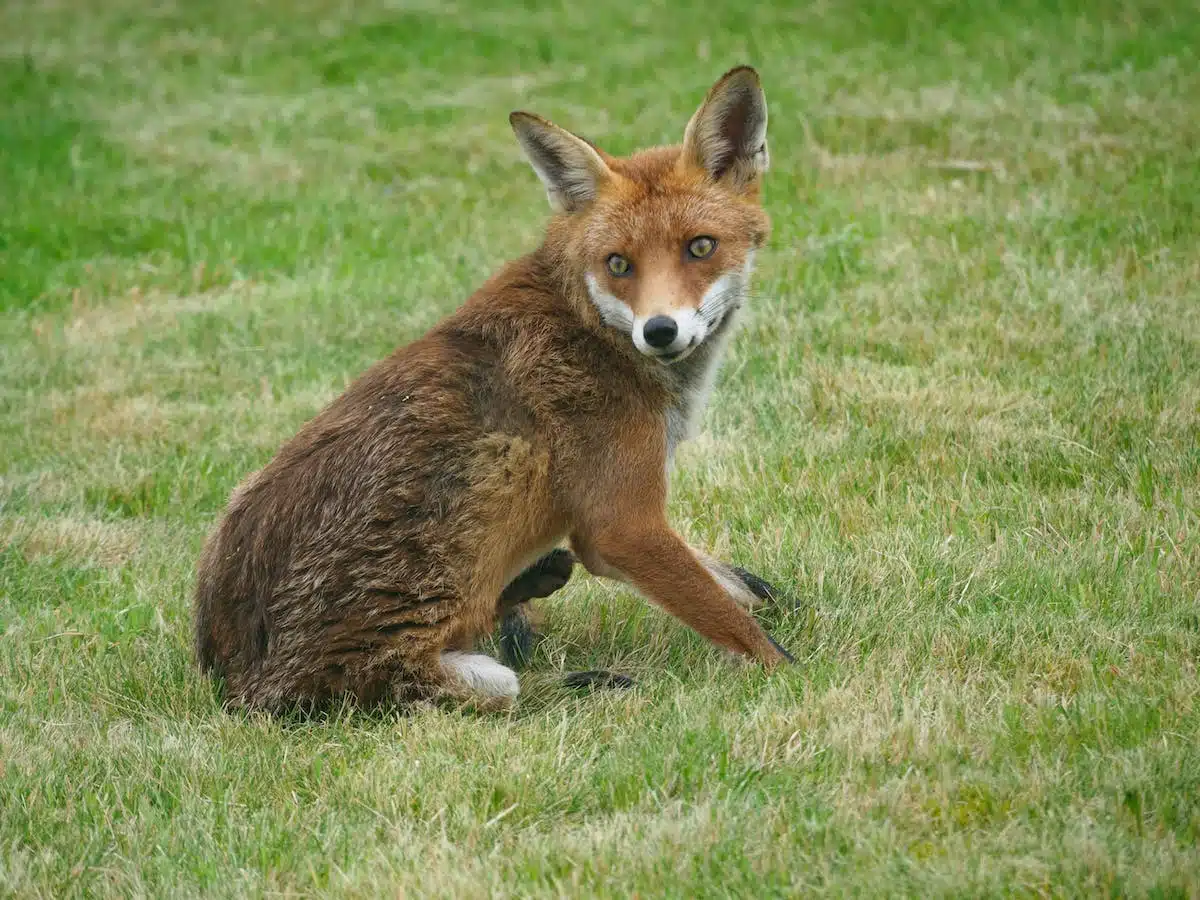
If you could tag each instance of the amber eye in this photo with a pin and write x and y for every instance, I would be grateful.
(701, 247)
(619, 266)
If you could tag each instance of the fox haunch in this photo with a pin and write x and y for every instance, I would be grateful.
(384, 539)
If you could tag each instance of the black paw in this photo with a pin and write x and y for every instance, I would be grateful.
(759, 587)
(598, 679)
(517, 637)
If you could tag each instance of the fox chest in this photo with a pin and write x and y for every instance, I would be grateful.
(683, 422)
(691, 395)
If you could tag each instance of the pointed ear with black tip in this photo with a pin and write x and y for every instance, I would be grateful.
(727, 137)
(569, 166)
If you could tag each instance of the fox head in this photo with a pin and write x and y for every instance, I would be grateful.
(663, 240)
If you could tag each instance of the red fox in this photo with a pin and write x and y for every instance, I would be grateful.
(368, 557)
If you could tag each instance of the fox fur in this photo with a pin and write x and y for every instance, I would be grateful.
(389, 535)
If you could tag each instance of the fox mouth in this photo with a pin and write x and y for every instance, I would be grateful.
(669, 359)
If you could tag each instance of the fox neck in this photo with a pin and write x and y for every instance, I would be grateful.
(690, 382)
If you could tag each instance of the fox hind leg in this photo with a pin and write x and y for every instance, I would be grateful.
(518, 625)
(518, 630)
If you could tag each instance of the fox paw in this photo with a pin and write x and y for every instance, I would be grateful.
(787, 656)
(517, 637)
(598, 679)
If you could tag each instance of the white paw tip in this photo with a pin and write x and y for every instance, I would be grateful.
(481, 674)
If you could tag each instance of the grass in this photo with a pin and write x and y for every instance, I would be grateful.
(962, 426)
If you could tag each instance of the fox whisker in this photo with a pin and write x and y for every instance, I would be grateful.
(714, 309)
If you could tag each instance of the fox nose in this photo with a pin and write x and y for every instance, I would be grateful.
(659, 331)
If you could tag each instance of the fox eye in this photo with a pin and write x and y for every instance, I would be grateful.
(618, 265)
(701, 247)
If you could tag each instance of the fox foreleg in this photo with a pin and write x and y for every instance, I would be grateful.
(710, 597)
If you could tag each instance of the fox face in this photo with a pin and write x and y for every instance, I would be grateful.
(663, 240)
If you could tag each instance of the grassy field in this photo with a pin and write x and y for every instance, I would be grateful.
(962, 426)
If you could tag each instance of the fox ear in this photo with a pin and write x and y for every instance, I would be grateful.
(569, 166)
(727, 137)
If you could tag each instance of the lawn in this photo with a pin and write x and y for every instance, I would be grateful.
(961, 426)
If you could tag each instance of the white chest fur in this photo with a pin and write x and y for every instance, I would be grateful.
(697, 374)
(696, 379)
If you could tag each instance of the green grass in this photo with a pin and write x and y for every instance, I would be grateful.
(962, 426)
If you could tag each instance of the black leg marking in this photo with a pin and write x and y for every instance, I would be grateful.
(786, 655)
(763, 590)
(517, 637)
(598, 679)
(759, 587)
(541, 579)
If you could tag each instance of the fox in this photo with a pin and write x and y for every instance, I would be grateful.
(434, 497)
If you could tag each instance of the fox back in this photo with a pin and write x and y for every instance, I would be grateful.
(384, 540)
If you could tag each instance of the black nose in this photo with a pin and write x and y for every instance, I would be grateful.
(659, 331)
